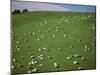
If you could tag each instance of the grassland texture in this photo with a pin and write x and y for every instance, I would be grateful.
(53, 41)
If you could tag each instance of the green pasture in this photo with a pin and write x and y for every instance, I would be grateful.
(41, 39)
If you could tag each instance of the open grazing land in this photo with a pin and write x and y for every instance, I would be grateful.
(47, 41)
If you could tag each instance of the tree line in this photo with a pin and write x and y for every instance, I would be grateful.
(17, 11)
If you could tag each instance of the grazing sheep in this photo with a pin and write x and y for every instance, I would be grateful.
(55, 65)
(75, 62)
(65, 35)
(68, 58)
(12, 67)
(34, 70)
(40, 65)
(28, 71)
(83, 58)
(14, 60)
(17, 42)
(40, 49)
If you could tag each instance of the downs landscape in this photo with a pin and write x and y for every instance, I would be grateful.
(50, 41)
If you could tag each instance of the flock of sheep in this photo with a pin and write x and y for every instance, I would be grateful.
(40, 57)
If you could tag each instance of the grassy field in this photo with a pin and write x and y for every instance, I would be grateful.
(53, 41)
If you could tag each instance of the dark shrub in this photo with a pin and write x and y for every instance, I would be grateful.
(16, 11)
(24, 10)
